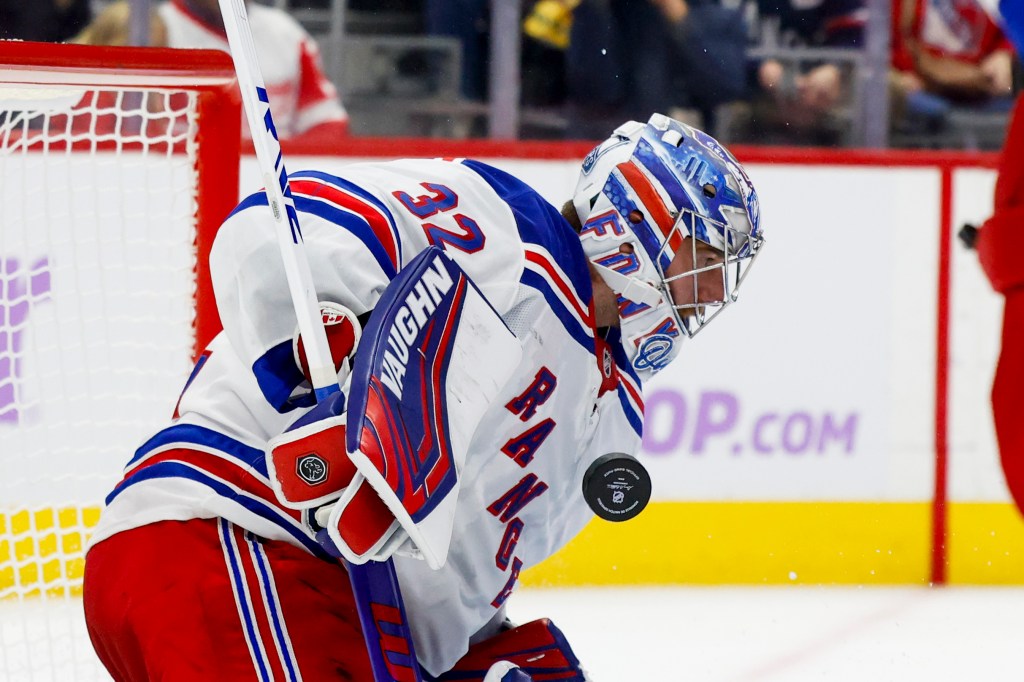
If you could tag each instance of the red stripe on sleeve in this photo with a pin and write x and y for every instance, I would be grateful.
(378, 223)
(585, 315)
(221, 468)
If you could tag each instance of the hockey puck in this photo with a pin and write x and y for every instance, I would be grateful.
(617, 487)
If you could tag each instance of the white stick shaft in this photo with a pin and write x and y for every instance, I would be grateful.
(372, 583)
(279, 195)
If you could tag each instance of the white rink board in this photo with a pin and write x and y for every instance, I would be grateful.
(977, 314)
(820, 385)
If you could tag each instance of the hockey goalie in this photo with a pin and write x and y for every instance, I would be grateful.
(490, 349)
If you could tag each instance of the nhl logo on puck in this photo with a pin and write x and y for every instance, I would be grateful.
(312, 469)
(617, 487)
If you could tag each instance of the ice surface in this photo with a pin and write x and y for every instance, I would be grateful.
(728, 634)
(706, 634)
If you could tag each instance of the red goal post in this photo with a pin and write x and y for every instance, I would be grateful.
(117, 165)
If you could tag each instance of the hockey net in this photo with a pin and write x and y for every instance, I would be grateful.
(116, 166)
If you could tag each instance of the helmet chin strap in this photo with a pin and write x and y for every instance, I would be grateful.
(629, 287)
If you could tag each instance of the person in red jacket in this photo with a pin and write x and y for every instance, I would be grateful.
(1000, 243)
(306, 104)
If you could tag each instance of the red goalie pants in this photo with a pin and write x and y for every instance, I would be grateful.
(205, 600)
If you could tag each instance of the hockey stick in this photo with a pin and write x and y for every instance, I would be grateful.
(375, 584)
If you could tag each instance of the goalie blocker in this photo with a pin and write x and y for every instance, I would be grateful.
(431, 360)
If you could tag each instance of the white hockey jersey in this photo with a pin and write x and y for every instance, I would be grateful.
(573, 397)
(301, 95)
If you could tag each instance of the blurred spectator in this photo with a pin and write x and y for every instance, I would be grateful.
(796, 100)
(546, 28)
(48, 21)
(948, 55)
(550, 22)
(546, 31)
(304, 101)
(542, 58)
(627, 58)
(469, 21)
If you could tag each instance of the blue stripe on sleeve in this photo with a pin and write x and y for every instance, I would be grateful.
(540, 223)
(566, 317)
(190, 434)
(257, 199)
(278, 376)
(352, 222)
(347, 220)
(348, 187)
(255, 505)
(364, 195)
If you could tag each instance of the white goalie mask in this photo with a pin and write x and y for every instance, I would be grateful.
(672, 223)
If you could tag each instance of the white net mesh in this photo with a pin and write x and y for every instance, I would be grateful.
(97, 231)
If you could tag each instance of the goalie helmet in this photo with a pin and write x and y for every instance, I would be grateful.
(649, 194)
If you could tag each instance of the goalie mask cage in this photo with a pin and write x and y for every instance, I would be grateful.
(116, 167)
